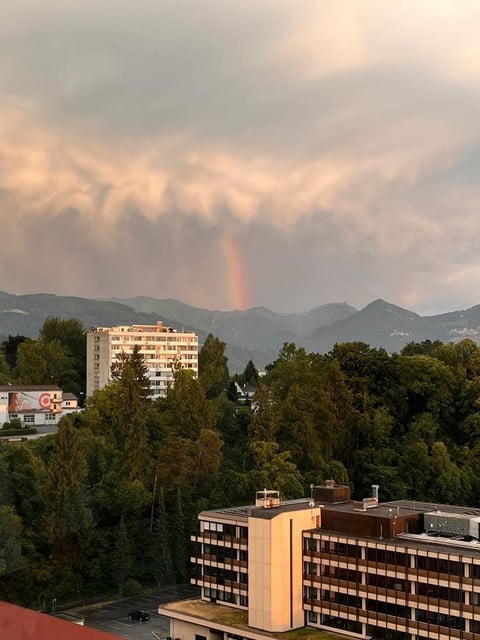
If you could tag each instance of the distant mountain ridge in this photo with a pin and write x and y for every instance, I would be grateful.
(257, 333)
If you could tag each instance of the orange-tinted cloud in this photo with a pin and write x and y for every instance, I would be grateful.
(330, 131)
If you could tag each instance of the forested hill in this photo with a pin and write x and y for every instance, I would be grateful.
(256, 333)
(109, 502)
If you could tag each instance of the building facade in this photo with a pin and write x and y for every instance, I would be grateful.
(400, 570)
(163, 349)
(33, 405)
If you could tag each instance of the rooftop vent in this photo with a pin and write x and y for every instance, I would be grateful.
(368, 503)
(267, 499)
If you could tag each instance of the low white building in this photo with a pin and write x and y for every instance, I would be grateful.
(35, 405)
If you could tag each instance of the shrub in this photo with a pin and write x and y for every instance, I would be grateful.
(131, 587)
(16, 423)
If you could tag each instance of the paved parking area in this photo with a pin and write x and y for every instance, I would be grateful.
(112, 617)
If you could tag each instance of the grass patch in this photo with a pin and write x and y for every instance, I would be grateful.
(220, 614)
(307, 633)
(212, 612)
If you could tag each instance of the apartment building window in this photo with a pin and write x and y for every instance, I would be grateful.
(49, 416)
(439, 565)
(244, 601)
(475, 626)
(29, 419)
(311, 544)
(440, 619)
(226, 596)
(442, 593)
(313, 617)
(213, 526)
(388, 608)
(475, 571)
(310, 592)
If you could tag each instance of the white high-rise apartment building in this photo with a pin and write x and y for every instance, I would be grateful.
(162, 348)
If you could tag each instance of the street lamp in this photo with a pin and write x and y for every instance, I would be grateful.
(54, 603)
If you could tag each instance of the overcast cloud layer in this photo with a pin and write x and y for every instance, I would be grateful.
(337, 143)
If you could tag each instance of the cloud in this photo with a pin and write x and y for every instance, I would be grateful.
(337, 142)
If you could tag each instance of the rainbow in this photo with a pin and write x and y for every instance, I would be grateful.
(236, 280)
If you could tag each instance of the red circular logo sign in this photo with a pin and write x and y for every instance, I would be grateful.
(45, 401)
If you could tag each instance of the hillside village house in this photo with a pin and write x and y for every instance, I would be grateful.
(35, 405)
(163, 349)
(400, 570)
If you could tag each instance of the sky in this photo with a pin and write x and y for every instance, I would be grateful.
(239, 153)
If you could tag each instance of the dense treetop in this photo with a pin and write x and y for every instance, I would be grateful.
(109, 502)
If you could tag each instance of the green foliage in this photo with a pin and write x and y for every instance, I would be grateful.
(8, 430)
(5, 372)
(110, 501)
(161, 551)
(41, 362)
(71, 334)
(250, 374)
(15, 424)
(131, 587)
(131, 411)
(274, 469)
(121, 557)
(68, 516)
(212, 367)
(9, 349)
(10, 540)
(178, 539)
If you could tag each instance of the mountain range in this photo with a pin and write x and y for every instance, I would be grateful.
(256, 333)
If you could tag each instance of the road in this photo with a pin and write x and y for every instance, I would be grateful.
(112, 617)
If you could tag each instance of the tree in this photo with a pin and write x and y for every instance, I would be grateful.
(266, 415)
(178, 539)
(275, 470)
(10, 541)
(132, 411)
(40, 362)
(134, 364)
(5, 373)
(250, 374)
(10, 347)
(68, 514)
(186, 410)
(72, 335)
(208, 455)
(121, 557)
(212, 367)
(162, 556)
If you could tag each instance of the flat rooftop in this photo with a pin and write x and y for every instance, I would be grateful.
(243, 513)
(238, 619)
(402, 507)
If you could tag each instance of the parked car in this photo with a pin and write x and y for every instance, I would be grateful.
(141, 615)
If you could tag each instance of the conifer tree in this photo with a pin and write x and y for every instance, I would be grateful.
(163, 566)
(178, 540)
(68, 514)
(121, 557)
(132, 412)
(212, 367)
